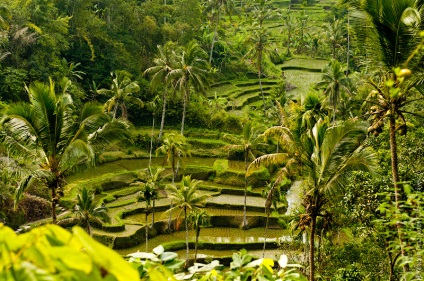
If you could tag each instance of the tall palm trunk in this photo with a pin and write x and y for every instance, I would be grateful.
(186, 229)
(196, 243)
(245, 192)
(266, 233)
(147, 232)
(162, 121)
(260, 80)
(151, 140)
(173, 182)
(53, 190)
(214, 35)
(115, 110)
(395, 178)
(153, 212)
(312, 248)
(185, 97)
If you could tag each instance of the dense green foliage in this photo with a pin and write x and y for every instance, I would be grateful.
(319, 97)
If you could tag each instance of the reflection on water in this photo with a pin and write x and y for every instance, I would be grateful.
(136, 164)
(140, 218)
(215, 235)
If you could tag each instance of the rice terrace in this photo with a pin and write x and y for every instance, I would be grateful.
(211, 140)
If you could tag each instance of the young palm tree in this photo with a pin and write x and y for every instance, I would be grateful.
(174, 147)
(329, 155)
(246, 143)
(121, 90)
(334, 82)
(198, 219)
(216, 6)
(335, 35)
(49, 131)
(153, 180)
(86, 211)
(186, 199)
(391, 40)
(192, 70)
(149, 194)
(259, 40)
(161, 75)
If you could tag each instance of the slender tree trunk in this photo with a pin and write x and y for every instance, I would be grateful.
(173, 182)
(196, 243)
(153, 212)
(266, 233)
(245, 192)
(289, 41)
(147, 232)
(115, 110)
(214, 35)
(54, 217)
(312, 248)
(395, 178)
(88, 228)
(260, 79)
(151, 140)
(162, 121)
(186, 229)
(184, 112)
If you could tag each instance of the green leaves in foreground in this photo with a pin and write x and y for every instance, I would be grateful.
(52, 253)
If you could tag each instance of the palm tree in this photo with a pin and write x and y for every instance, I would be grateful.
(48, 131)
(259, 39)
(329, 155)
(175, 147)
(154, 177)
(192, 70)
(86, 211)
(334, 82)
(198, 219)
(186, 199)
(152, 105)
(247, 143)
(273, 196)
(335, 34)
(392, 40)
(215, 6)
(149, 194)
(121, 91)
(161, 70)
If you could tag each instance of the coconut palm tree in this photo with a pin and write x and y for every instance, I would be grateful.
(335, 34)
(192, 70)
(247, 144)
(186, 199)
(216, 7)
(334, 82)
(391, 40)
(174, 147)
(160, 75)
(49, 131)
(329, 154)
(197, 220)
(154, 177)
(149, 194)
(259, 40)
(86, 211)
(121, 91)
